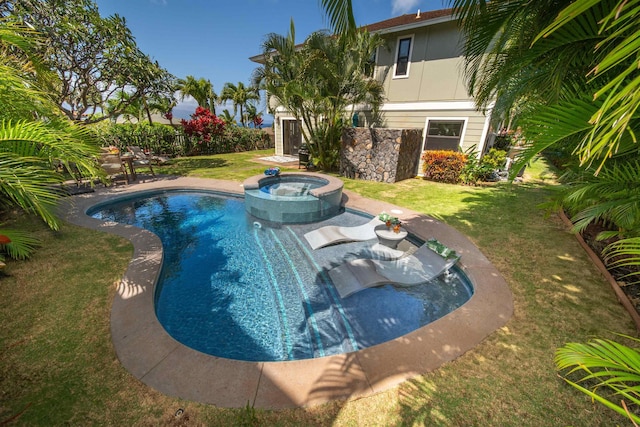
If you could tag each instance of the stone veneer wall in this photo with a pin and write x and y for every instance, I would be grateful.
(382, 155)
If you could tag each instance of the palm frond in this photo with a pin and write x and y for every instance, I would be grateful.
(611, 365)
(22, 243)
(623, 253)
(340, 15)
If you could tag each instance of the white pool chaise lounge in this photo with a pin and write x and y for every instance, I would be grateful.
(331, 234)
(420, 267)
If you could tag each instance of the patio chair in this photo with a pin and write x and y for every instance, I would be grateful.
(332, 234)
(421, 266)
(112, 164)
(141, 155)
(140, 159)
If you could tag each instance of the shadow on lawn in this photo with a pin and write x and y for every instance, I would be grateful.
(551, 281)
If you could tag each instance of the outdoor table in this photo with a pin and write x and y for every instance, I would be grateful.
(388, 237)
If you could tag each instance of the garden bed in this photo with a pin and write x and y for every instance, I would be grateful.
(629, 285)
(627, 288)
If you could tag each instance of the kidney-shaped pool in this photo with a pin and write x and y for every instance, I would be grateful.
(236, 287)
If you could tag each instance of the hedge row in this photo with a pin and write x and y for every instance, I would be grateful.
(172, 141)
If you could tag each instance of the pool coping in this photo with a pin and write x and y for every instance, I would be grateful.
(146, 350)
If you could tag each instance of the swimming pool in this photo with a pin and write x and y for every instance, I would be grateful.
(239, 288)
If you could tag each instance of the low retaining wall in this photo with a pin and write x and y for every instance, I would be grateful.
(382, 155)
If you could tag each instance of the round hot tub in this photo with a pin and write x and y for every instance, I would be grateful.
(293, 198)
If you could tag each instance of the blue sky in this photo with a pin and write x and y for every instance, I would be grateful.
(214, 39)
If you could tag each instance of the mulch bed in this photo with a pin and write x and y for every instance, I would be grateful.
(631, 289)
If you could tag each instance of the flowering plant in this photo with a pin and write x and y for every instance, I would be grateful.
(203, 125)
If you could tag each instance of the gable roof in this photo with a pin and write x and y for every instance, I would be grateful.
(412, 20)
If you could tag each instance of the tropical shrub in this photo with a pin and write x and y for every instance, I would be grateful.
(443, 165)
(494, 159)
(203, 127)
(236, 138)
(483, 169)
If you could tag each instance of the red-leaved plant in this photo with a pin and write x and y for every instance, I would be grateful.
(203, 125)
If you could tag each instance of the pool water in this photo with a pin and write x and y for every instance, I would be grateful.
(235, 287)
(290, 189)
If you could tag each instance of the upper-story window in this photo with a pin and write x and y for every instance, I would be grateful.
(403, 56)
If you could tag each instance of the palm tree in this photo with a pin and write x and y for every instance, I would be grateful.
(199, 89)
(161, 105)
(252, 114)
(227, 117)
(240, 95)
(574, 62)
(28, 145)
(318, 81)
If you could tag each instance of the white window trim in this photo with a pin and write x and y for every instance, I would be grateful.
(465, 122)
(395, 58)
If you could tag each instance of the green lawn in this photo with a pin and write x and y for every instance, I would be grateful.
(58, 367)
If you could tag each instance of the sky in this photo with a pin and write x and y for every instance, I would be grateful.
(215, 39)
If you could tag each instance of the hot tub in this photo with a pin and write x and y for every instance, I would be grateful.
(293, 198)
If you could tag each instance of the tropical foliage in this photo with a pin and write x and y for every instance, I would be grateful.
(199, 89)
(94, 58)
(607, 371)
(203, 127)
(340, 14)
(158, 138)
(575, 65)
(443, 165)
(241, 96)
(317, 83)
(33, 134)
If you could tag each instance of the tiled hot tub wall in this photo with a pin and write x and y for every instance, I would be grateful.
(321, 203)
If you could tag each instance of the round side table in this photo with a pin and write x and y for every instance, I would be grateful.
(388, 237)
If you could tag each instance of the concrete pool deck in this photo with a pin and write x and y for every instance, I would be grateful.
(146, 350)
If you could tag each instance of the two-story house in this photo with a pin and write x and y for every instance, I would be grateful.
(422, 71)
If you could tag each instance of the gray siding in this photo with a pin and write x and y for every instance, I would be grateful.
(436, 67)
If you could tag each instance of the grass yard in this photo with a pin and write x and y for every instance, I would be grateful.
(58, 367)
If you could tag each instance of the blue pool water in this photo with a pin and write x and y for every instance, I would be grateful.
(235, 287)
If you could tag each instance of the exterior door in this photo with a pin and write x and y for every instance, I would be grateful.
(291, 137)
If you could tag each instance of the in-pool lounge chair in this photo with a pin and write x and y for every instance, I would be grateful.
(331, 234)
(420, 267)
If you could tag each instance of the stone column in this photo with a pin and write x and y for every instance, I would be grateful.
(379, 154)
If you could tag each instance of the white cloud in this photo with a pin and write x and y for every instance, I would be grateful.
(399, 7)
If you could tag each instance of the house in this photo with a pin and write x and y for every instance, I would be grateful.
(422, 72)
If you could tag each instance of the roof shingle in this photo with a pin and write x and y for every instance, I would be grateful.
(408, 19)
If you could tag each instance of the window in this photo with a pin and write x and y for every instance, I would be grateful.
(403, 57)
(443, 135)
